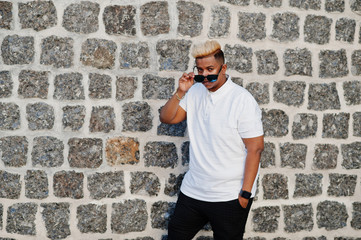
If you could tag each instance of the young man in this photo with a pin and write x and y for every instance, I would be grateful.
(226, 140)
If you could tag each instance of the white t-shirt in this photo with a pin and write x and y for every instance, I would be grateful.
(217, 122)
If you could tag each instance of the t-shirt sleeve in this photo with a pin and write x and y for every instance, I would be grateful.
(250, 119)
(183, 102)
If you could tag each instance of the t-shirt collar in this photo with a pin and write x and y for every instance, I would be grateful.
(222, 91)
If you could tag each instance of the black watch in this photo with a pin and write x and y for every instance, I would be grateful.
(245, 194)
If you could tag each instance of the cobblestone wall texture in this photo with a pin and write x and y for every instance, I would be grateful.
(83, 154)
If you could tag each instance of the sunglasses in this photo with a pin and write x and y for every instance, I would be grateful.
(210, 78)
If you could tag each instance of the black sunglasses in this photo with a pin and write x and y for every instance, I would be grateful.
(210, 78)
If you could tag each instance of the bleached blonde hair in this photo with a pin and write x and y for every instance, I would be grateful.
(205, 49)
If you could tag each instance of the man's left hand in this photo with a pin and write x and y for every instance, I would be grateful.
(243, 202)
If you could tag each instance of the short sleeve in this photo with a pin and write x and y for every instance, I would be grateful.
(183, 102)
(250, 118)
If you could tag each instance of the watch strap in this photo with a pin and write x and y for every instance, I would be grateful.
(245, 194)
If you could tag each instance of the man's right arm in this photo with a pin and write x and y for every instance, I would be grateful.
(171, 112)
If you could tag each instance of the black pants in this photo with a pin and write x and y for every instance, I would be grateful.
(228, 219)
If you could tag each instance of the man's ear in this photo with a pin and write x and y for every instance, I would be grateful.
(224, 67)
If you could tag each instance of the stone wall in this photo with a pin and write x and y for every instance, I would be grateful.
(84, 156)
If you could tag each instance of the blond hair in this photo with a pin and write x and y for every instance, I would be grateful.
(205, 49)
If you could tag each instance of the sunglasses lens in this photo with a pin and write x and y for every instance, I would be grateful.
(198, 78)
(212, 78)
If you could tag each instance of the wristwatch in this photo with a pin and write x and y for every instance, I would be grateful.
(245, 194)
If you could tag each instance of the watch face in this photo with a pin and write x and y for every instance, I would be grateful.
(246, 195)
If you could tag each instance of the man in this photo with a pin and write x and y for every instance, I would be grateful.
(226, 141)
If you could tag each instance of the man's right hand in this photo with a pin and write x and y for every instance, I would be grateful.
(185, 83)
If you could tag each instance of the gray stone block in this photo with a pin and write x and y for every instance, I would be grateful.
(69, 86)
(356, 62)
(190, 18)
(36, 184)
(256, 238)
(306, 4)
(285, 26)
(290, 93)
(275, 186)
(102, 119)
(356, 215)
(141, 238)
(47, 152)
(33, 84)
(9, 116)
(68, 184)
(293, 155)
(160, 154)
(73, 117)
(57, 51)
(134, 55)
(185, 153)
(308, 185)
(173, 184)
(355, 6)
(85, 152)
(351, 154)
(333, 64)
(268, 157)
(17, 49)
(268, 3)
(10, 185)
(129, 216)
(345, 30)
(173, 54)
(323, 96)
(275, 123)
(92, 218)
(304, 126)
(144, 183)
(267, 62)
(335, 5)
(259, 91)
(1, 214)
(251, 26)
(220, 22)
(37, 15)
(317, 29)
(239, 58)
(356, 124)
(98, 53)
(100, 86)
(298, 62)
(81, 17)
(14, 150)
(238, 80)
(335, 125)
(122, 150)
(325, 156)
(56, 219)
(40, 116)
(161, 213)
(352, 92)
(314, 238)
(6, 83)
(298, 217)
(177, 130)
(154, 18)
(155, 87)
(120, 20)
(21, 219)
(137, 116)
(106, 185)
(265, 219)
(125, 87)
(6, 15)
(331, 215)
(237, 2)
(341, 185)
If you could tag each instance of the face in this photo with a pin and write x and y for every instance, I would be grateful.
(208, 66)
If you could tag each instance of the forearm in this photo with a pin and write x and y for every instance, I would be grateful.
(251, 169)
(169, 110)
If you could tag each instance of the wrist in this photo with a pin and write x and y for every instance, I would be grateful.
(245, 194)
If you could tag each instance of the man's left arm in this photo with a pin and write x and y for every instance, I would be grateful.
(254, 148)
